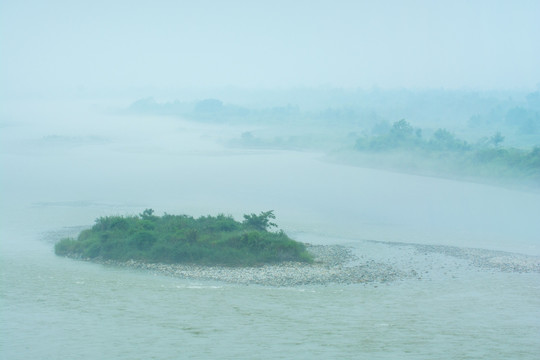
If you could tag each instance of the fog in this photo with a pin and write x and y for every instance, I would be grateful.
(104, 164)
(296, 84)
(400, 138)
(144, 48)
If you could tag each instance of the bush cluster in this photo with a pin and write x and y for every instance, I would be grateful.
(447, 154)
(209, 240)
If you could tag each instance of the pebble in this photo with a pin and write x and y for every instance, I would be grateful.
(334, 264)
(482, 258)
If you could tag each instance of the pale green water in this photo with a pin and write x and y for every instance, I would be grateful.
(59, 308)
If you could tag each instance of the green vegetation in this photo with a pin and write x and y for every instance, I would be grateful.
(355, 127)
(445, 154)
(208, 240)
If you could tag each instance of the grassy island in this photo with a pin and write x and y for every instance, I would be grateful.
(207, 240)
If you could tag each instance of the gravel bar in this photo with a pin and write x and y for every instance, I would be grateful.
(332, 265)
(481, 258)
(336, 264)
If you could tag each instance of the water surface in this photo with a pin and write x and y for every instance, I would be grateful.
(57, 179)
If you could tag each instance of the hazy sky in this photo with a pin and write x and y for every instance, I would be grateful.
(120, 45)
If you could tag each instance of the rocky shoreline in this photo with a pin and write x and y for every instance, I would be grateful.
(336, 264)
(480, 258)
(333, 265)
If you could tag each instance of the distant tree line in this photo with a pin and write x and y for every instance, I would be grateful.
(486, 157)
(514, 111)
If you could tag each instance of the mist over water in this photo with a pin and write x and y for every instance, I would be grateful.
(177, 166)
(57, 179)
(408, 133)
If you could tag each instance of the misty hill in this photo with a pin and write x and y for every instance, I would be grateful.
(473, 110)
(208, 240)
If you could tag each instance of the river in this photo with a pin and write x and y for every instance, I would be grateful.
(64, 166)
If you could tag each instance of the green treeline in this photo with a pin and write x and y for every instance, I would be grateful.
(443, 152)
(208, 240)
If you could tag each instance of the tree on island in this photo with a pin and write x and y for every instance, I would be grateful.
(260, 222)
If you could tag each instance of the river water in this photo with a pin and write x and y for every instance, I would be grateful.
(62, 167)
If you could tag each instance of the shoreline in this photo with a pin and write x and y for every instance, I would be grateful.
(337, 265)
(486, 259)
(333, 265)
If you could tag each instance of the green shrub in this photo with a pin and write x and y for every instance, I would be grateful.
(65, 246)
(183, 239)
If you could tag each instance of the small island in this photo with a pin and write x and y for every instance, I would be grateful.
(182, 239)
(219, 248)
